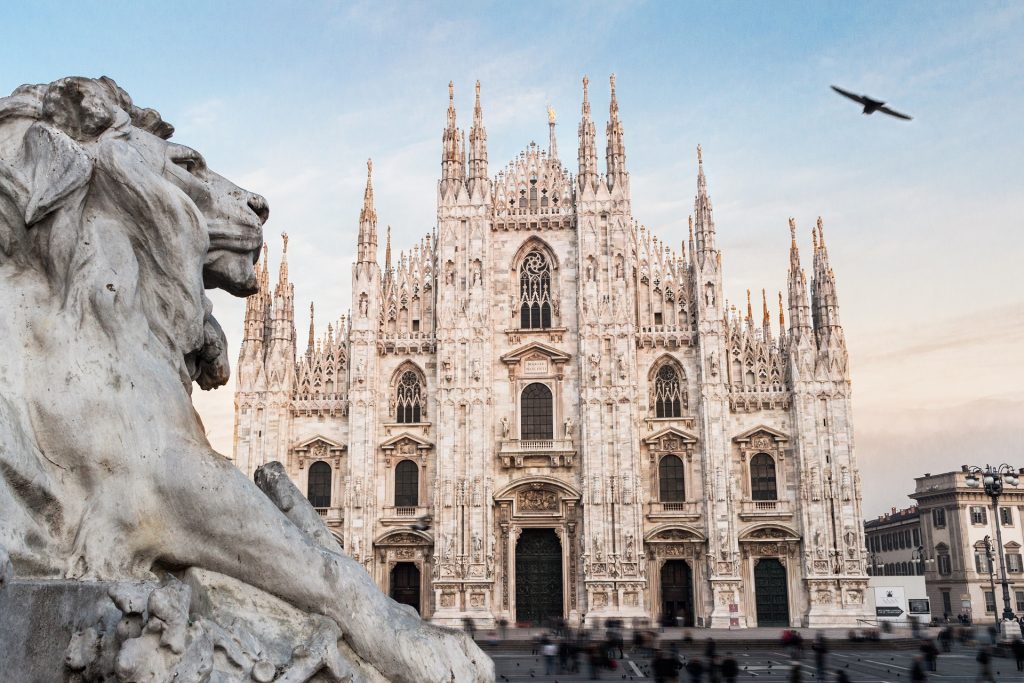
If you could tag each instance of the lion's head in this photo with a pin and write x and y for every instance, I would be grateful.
(119, 220)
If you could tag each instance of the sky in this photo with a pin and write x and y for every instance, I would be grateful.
(923, 219)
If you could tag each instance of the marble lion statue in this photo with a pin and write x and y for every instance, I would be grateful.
(109, 235)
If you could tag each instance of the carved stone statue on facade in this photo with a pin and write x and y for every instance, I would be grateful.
(568, 428)
(109, 234)
(505, 427)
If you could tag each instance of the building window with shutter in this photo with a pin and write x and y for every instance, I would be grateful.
(939, 518)
(1006, 516)
(1013, 563)
(979, 515)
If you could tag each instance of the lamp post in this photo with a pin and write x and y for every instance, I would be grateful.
(921, 562)
(875, 565)
(993, 479)
(991, 576)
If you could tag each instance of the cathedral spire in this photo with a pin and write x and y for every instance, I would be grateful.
(615, 153)
(782, 315)
(823, 287)
(766, 319)
(367, 250)
(284, 299)
(477, 144)
(705, 221)
(387, 251)
(453, 152)
(256, 305)
(312, 338)
(799, 311)
(750, 311)
(587, 157)
(552, 141)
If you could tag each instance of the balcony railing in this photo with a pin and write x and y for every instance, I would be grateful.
(321, 511)
(553, 452)
(674, 510)
(405, 511)
(772, 509)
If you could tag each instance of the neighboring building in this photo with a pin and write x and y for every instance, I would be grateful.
(955, 519)
(594, 431)
(894, 544)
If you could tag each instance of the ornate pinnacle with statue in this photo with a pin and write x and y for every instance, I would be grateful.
(164, 561)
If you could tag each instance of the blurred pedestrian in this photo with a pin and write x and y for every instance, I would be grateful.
(930, 653)
(917, 674)
(796, 673)
(820, 648)
(841, 676)
(695, 669)
(730, 668)
(503, 628)
(549, 650)
(1017, 647)
(984, 659)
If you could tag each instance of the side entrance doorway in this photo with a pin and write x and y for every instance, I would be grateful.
(405, 584)
(538, 576)
(771, 593)
(676, 593)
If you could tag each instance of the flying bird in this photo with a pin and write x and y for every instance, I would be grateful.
(870, 105)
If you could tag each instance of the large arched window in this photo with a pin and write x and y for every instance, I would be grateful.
(669, 392)
(407, 484)
(670, 480)
(408, 398)
(535, 408)
(762, 478)
(535, 292)
(318, 488)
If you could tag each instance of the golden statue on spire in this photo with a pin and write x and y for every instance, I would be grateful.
(551, 114)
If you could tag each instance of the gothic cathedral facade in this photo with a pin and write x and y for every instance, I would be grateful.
(593, 431)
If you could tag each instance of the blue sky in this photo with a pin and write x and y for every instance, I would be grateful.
(923, 219)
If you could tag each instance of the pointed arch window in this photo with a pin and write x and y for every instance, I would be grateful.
(670, 480)
(409, 398)
(763, 485)
(669, 391)
(318, 487)
(535, 408)
(407, 484)
(535, 292)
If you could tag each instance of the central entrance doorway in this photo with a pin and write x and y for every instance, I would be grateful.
(405, 584)
(676, 593)
(538, 576)
(771, 593)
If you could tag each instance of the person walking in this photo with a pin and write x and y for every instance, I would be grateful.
(796, 673)
(841, 676)
(930, 653)
(730, 668)
(1017, 648)
(820, 648)
(984, 659)
(695, 669)
(550, 651)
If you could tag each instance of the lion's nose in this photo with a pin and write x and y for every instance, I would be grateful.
(259, 206)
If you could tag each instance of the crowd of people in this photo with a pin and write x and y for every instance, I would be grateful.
(596, 652)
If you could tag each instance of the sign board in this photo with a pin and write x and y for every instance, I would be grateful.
(734, 608)
(919, 606)
(535, 367)
(890, 603)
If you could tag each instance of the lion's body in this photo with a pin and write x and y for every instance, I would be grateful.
(107, 241)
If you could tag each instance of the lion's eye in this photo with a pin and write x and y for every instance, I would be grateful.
(189, 160)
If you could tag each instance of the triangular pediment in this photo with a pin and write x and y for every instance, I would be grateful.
(760, 430)
(419, 442)
(535, 350)
(671, 432)
(313, 441)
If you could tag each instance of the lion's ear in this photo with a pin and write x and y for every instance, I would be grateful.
(54, 167)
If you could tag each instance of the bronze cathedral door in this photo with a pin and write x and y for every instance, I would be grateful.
(771, 593)
(538, 576)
